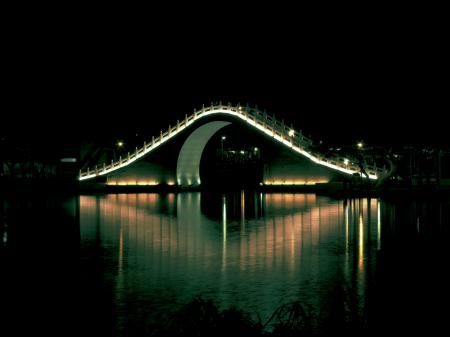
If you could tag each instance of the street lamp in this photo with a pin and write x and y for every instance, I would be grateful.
(119, 146)
(360, 145)
(221, 144)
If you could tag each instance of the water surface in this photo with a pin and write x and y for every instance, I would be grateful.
(125, 263)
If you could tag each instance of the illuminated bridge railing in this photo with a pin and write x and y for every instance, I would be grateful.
(277, 129)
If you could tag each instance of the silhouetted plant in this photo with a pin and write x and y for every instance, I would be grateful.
(341, 314)
(201, 317)
(290, 320)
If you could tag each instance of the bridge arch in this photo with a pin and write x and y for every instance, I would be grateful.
(188, 163)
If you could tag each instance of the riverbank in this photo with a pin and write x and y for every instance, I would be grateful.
(70, 187)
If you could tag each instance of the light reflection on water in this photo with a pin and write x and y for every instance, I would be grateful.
(120, 265)
(251, 250)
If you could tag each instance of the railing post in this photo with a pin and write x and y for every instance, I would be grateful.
(112, 163)
(185, 119)
(96, 170)
(104, 166)
(170, 130)
(153, 140)
(88, 171)
(79, 174)
(128, 156)
(160, 135)
(195, 112)
(178, 125)
(120, 160)
(145, 146)
(136, 152)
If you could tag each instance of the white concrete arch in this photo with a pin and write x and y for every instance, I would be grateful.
(188, 164)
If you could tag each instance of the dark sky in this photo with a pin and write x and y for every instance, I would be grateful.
(380, 81)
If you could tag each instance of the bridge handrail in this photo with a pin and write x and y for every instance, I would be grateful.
(269, 124)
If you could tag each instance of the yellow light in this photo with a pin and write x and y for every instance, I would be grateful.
(119, 143)
(291, 133)
(133, 183)
(360, 145)
(294, 182)
(361, 241)
(346, 161)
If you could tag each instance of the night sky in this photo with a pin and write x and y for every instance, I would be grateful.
(337, 81)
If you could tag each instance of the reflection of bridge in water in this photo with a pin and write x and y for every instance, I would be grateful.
(302, 239)
(301, 166)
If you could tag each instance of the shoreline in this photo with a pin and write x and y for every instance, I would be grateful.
(70, 187)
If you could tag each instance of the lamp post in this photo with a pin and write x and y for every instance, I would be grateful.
(119, 146)
(221, 144)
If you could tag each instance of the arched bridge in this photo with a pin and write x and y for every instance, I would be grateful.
(312, 167)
